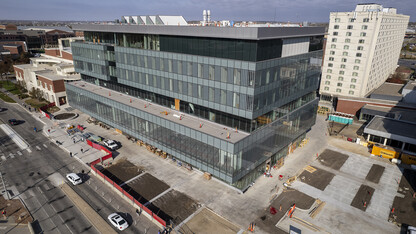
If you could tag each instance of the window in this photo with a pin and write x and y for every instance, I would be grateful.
(330, 64)
(366, 20)
(335, 33)
(342, 66)
(336, 26)
(334, 40)
(353, 80)
(328, 77)
(236, 100)
(348, 34)
(341, 78)
(200, 69)
(361, 41)
(327, 82)
(364, 27)
(344, 60)
(356, 67)
(345, 53)
(349, 27)
(331, 59)
(338, 90)
(211, 72)
(347, 40)
(333, 46)
(326, 88)
(224, 74)
(329, 70)
(180, 67)
(237, 76)
(189, 72)
(337, 20)
(358, 54)
(351, 20)
(341, 72)
(351, 92)
(211, 94)
(363, 34)
(223, 97)
(352, 86)
(360, 48)
(357, 61)
(162, 65)
(355, 74)
(331, 52)
(339, 84)
(346, 47)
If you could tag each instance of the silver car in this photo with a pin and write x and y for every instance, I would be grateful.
(117, 221)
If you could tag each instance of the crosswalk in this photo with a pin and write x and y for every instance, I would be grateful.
(19, 153)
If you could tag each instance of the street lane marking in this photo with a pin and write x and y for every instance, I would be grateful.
(45, 146)
(11, 155)
(28, 150)
(38, 148)
(19, 153)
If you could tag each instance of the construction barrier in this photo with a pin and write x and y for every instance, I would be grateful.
(125, 193)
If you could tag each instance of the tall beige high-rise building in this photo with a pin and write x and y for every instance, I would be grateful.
(362, 50)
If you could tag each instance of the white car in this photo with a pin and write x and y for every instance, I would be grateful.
(111, 144)
(119, 222)
(74, 178)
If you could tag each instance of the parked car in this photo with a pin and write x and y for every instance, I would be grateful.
(111, 144)
(74, 178)
(119, 222)
(2, 109)
(13, 122)
(92, 136)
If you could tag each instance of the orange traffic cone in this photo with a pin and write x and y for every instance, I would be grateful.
(130, 100)
(228, 135)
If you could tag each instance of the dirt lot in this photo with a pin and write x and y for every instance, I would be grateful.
(362, 197)
(145, 188)
(319, 178)
(332, 159)
(15, 209)
(206, 222)
(176, 205)
(121, 172)
(405, 208)
(267, 222)
(375, 173)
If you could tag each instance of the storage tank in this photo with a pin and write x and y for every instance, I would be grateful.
(204, 16)
(208, 15)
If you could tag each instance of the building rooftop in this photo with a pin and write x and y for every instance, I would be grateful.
(51, 75)
(388, 91)
(393, 112)
(249, 33)
(208, 127)
(410, 86)
(391, 128)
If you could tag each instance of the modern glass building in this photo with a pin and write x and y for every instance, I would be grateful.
(226, 100)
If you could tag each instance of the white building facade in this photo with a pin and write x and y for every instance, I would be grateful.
(362, 50)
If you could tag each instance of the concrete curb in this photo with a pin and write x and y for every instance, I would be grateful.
(96, 220)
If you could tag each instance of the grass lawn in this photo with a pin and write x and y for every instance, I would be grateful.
(6, 98)
(36, 103)
(10, 86)
(53, 109)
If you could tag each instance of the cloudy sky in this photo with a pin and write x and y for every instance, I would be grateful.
(267, 10)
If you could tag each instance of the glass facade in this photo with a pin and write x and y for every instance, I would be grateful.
(240, 84)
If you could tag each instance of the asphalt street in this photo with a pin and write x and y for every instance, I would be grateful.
(34, 174)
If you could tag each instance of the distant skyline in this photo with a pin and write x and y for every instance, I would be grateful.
(248, 10)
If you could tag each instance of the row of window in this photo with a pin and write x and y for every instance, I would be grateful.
(337, 20)
(363, 27)
(339, 90)
(344, 60)
(346, 47)
(344, 66)
(340, 84)
(345, 53)
(347, 40)
(340, 78)
(349, 34)
(342, 72)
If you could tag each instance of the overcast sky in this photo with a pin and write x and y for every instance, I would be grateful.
(267, 10)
